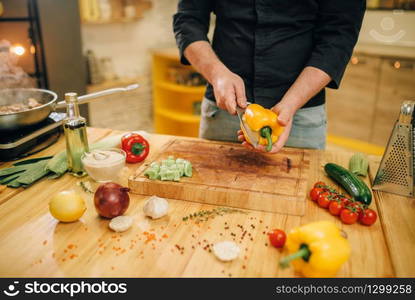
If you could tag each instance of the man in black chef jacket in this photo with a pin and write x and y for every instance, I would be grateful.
(280, 54)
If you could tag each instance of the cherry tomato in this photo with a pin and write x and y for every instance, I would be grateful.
(348, 216)
(315, 192)
(324, 199)
(277, 238)
(356, 206)
(368, 217)
(320, 184)
(335, 207)
(345, 201)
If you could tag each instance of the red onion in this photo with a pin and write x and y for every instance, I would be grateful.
(111, 200)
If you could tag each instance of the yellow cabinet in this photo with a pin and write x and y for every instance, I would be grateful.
(176, 106)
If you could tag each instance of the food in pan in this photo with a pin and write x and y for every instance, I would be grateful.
(18, 107)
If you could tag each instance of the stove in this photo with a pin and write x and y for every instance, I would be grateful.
(32, 139)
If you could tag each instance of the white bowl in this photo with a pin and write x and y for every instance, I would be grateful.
(101, 171)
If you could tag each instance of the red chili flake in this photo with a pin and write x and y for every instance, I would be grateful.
(164, 236)
(45, 242)
(71, 246)
(260, 221)
(72, 256)
(150, 237)
(227, 227)
(244, 267)
(63, 259)
(113, 236)
(65, 251)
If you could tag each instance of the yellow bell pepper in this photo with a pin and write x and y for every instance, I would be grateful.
(264, 122)
(316, 249)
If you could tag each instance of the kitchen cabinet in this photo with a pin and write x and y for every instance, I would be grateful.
(176, 106)
(366, 105)
(396, 84)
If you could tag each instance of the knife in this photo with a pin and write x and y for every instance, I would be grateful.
(252, 136)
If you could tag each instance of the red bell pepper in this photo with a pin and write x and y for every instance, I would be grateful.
(136, 147)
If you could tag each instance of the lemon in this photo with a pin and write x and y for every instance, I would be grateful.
(67, 206)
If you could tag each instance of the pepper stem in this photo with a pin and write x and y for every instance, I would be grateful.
(137, 148)
(266, 133)
(303, 253)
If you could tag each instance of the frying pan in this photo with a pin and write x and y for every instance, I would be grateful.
(48, 99)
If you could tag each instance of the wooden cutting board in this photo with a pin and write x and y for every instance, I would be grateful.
(228, 174)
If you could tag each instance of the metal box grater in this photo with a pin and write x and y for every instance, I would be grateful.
(395, 173)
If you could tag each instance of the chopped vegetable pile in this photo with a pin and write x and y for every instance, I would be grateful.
(170, 169)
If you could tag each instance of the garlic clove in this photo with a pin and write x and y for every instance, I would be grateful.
(226, 250)
(121, 223)
(156, 207)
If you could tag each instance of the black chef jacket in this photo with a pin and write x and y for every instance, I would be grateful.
(269, 42)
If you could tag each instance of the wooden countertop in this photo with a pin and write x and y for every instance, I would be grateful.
(34, 244)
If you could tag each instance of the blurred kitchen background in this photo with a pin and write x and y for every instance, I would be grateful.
(89, 45)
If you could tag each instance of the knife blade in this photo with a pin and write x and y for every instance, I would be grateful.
(253, 137)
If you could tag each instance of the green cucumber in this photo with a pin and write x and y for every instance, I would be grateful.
(350, 182)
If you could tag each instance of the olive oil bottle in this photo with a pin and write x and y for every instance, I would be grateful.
(75, 135)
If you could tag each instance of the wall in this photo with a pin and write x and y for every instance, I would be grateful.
(389, 28)
(129, 44)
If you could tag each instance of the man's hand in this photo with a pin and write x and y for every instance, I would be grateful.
(285, 114)
(229, 90)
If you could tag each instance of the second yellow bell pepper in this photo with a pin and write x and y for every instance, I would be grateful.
(316, 249)
(264, 122)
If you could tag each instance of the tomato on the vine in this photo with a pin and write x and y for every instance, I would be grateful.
(345, 201)
(315, 192)
(324, 199)
(348, 216)
(320, 184)
(335, 207)
(368, 217)
(356, 206)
